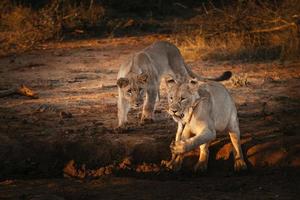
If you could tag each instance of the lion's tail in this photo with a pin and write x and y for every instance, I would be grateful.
(225, 76)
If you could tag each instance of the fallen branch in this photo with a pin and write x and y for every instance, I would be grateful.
(21, 90)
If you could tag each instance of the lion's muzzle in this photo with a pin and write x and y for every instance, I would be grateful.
(175, 113)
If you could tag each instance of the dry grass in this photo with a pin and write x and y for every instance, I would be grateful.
(81, 16)
(245, 31)
(22, 27)
(240, 80)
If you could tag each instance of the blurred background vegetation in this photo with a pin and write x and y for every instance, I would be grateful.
(216, 29)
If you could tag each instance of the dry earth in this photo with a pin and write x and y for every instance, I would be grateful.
(63, 145)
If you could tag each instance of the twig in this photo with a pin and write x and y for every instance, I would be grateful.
(21, 90)
(220, 10)
(203, 5)
(277, 28)
(180, 5)
(269, 21)
(91, 4)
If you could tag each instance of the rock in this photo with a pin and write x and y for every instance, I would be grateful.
(64, 114)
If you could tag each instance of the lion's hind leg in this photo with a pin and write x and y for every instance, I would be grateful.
(234, 133)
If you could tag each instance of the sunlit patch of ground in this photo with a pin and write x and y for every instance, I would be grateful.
(75, 115)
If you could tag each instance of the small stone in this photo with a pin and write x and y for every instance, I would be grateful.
(64, 114)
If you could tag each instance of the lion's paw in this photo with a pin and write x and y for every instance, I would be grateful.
(178, 147)
(146, 121)
(175, 166)
(172, 165)
(201, 166)
(123, 128)
(239, 165)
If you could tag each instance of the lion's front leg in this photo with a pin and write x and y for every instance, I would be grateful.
(148, 107)
(123, 109)
(178, 136)
(203, 158)
(177, 159)
(174, 160)
(179, 131)
(204, 135)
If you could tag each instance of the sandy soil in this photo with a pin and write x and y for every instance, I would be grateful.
(63, 145)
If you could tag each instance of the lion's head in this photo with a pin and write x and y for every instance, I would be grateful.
(133, 88)
(182, 95)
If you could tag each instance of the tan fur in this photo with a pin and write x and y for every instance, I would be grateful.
(139, 79)
(201, 110)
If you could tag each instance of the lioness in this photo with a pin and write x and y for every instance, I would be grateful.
(201, 109)
(139, 79)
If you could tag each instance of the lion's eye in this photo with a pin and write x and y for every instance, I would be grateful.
(182, 99)
(129, 91)
(141, 90)
(171, 99)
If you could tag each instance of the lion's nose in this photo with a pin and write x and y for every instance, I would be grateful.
(174, 111)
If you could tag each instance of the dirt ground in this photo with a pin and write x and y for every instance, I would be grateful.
(63, 144)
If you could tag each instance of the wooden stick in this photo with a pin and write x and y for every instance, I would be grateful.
(277, 28)
(21, 90)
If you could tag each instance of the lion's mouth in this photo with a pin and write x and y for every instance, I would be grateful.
(178, 115)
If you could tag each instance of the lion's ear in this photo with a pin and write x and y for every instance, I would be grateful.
(122, 82)
(193, 83)
(169, 80)
(142, 78)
